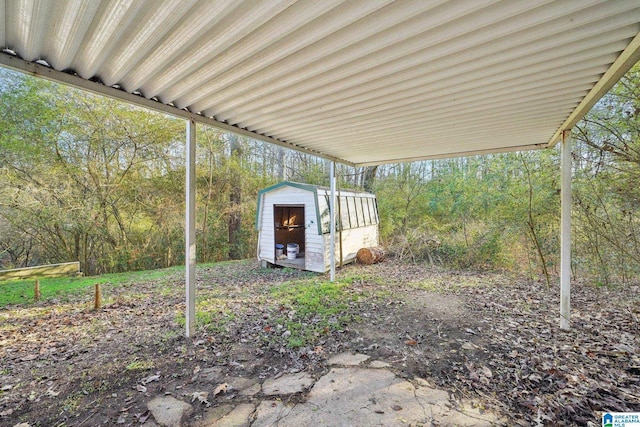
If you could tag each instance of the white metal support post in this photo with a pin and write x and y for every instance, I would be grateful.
(332, 216)
(565, 233)
(190, 229)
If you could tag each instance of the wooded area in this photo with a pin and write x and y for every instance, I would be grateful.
(95, 180)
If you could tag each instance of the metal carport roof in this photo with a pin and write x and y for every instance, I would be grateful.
(361, 82)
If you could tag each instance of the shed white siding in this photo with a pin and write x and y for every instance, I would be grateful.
(352, 241)
(285, 196)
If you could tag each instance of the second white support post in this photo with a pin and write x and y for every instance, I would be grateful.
(190, 229)
(565, 233)
(332, 216)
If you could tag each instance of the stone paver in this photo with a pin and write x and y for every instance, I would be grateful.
(365, 397)
(169, 411)
(287, 384)
(238, 417)
(244, 386)
(348, 359)
(348, 395)
(377, 364)
(251, 391)
(211, 416)
(272, 413)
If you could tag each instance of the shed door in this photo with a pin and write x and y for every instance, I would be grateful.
(289, 225)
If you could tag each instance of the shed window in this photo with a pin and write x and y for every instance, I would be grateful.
(345, 220)
(367, 210)
(353, 217)
(374, 211)
(351, 212)
(360, 213)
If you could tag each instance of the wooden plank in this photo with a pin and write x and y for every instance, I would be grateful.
(50, 270)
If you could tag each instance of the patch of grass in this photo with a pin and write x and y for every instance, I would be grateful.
(308, 297)
(212, 313)
(21, 291)
(311, 308)
(140, 365)
(428, 285)
(72, 403)
(362, 278)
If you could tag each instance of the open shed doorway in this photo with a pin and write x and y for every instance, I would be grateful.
(289, 235)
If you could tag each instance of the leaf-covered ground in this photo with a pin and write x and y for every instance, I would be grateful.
(489, 337)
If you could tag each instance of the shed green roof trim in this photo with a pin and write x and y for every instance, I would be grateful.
(299, 185)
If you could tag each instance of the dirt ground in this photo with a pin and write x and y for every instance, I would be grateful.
(489, 337)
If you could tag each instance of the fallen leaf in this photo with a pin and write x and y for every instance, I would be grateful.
(143, 417)
(141, 388)
(411, 342)
(222, 388)
(469, 346)
(487, 372)
(201, 396)
(150, 378)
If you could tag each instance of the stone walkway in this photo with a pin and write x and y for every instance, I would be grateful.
(355, 392)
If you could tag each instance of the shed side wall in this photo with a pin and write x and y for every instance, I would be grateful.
(352, 241)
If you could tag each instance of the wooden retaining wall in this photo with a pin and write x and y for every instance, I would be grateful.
(51, 270)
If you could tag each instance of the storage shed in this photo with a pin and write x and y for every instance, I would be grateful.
(293, 223)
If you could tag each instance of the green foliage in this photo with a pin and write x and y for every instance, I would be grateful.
(468, 213)
(91, 179)
(606, 191)
(75, 170)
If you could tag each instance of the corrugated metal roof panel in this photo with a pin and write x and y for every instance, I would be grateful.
(365, 82)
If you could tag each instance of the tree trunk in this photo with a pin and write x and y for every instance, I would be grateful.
(281, 164)
(235, 201)
(531, 224)
(369, 177)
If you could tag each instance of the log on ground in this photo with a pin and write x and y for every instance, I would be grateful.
(370, 255)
